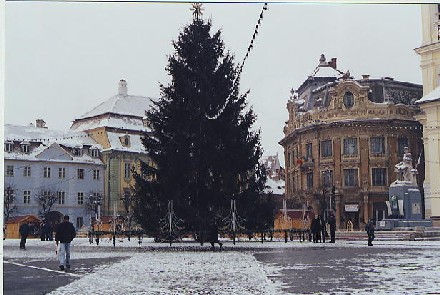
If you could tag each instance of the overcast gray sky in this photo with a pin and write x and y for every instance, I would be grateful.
(63, 59)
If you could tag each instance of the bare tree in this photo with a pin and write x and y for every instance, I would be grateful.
(10, 205)
(46, 199)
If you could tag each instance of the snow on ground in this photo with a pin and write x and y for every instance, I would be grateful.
(158, 269)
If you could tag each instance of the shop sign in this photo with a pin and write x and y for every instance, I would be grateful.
(351, 207)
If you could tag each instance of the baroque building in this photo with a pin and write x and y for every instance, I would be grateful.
(118, 124)
(429, 52)
(343, 138)
(50, 173)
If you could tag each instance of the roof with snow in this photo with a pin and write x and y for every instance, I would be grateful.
(127, 105)
(121, 111)
(431, 96)
(135, 145)
(37, 134)
(277, 187)
(47, 141)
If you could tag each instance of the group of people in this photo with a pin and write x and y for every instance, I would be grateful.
(64, 234)
(46, 231)
(318, 228)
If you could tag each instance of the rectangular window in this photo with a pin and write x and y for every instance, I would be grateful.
(96, 174)
(377, 145)
(350, 177)
(25, 148)
(79, 222)
(26, 197)
(9, 147)
(350, 147)
(127, 170)
(94, 153)
(309, 180)
(327, 178)
(61, 172)
(379, 176)
(9, 170)
(80, 198)
(27, 171)
(76, 152)
(326, 148)
(309, 150)
(80, 173)
(61, 198)
(46, 172)
(402, 143)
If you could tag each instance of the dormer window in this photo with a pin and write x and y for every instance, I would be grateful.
(76, 151)
(125, 140)
(94, 153)
(25, 147)
(9, 146)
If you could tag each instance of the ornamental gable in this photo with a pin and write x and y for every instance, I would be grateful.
(54, 152)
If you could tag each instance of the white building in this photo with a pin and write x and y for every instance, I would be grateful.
(39, 161)
(429, 53)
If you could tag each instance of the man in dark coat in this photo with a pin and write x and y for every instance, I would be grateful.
(65, 233)
(213, 235)
(332, 224)
(369, 228)
(24, 232)
(315, 229)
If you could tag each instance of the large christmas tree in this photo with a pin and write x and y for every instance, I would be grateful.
(202, 149)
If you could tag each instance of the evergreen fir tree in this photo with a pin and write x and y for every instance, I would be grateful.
(202, 149)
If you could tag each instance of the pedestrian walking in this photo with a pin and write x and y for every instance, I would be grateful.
(64, 234)
(332, 225)
(24, 231)
(369, 228)
(213, 235)
(315, 229)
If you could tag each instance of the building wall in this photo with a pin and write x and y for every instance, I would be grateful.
(70, 185)
(430, 65)
(336, 122)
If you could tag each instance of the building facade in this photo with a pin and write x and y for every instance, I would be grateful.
(117, 125)
(343, 139)
(51, 173)
(429, 104)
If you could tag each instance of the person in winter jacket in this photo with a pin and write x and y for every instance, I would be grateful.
(213, 235)
(332, 224)
(24, 231)
(64, 234)
(315, 229)
(369, 228)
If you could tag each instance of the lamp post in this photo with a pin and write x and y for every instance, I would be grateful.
(95, 205)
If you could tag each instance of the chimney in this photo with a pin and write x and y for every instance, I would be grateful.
(40, 123)
(122, 87)
(365, 77)
(332, 63)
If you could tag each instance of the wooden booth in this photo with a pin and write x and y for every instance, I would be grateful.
(14, 223)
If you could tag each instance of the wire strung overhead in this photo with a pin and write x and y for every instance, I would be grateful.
(241, 65)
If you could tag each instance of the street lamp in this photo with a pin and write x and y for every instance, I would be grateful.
(95, 205)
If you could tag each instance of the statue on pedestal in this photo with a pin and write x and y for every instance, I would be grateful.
(406, 171)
